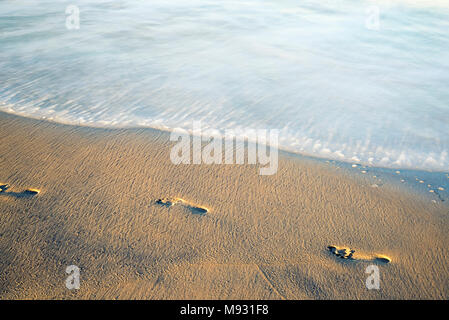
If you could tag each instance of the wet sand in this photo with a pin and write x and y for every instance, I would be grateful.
(139, 227)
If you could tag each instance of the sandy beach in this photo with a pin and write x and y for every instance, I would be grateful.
(139, 227)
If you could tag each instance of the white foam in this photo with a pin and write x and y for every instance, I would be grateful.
(312, 69)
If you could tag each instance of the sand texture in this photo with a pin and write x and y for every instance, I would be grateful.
(139, 227)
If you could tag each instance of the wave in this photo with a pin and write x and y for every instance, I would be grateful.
(317, 71)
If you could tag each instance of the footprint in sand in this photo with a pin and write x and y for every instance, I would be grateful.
(23, 194)
(350, 254)
(194, 209)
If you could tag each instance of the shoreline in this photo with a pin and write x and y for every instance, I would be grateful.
(285, 150)
(263, 237)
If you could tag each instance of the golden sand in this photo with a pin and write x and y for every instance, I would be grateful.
(95, 205)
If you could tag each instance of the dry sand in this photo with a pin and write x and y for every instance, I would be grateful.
(264, 237)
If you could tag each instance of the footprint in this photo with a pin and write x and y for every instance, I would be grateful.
(24, 194)
(342, 253)
(30, 192)
(383, 259)
(350, 254)
(194, 209)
